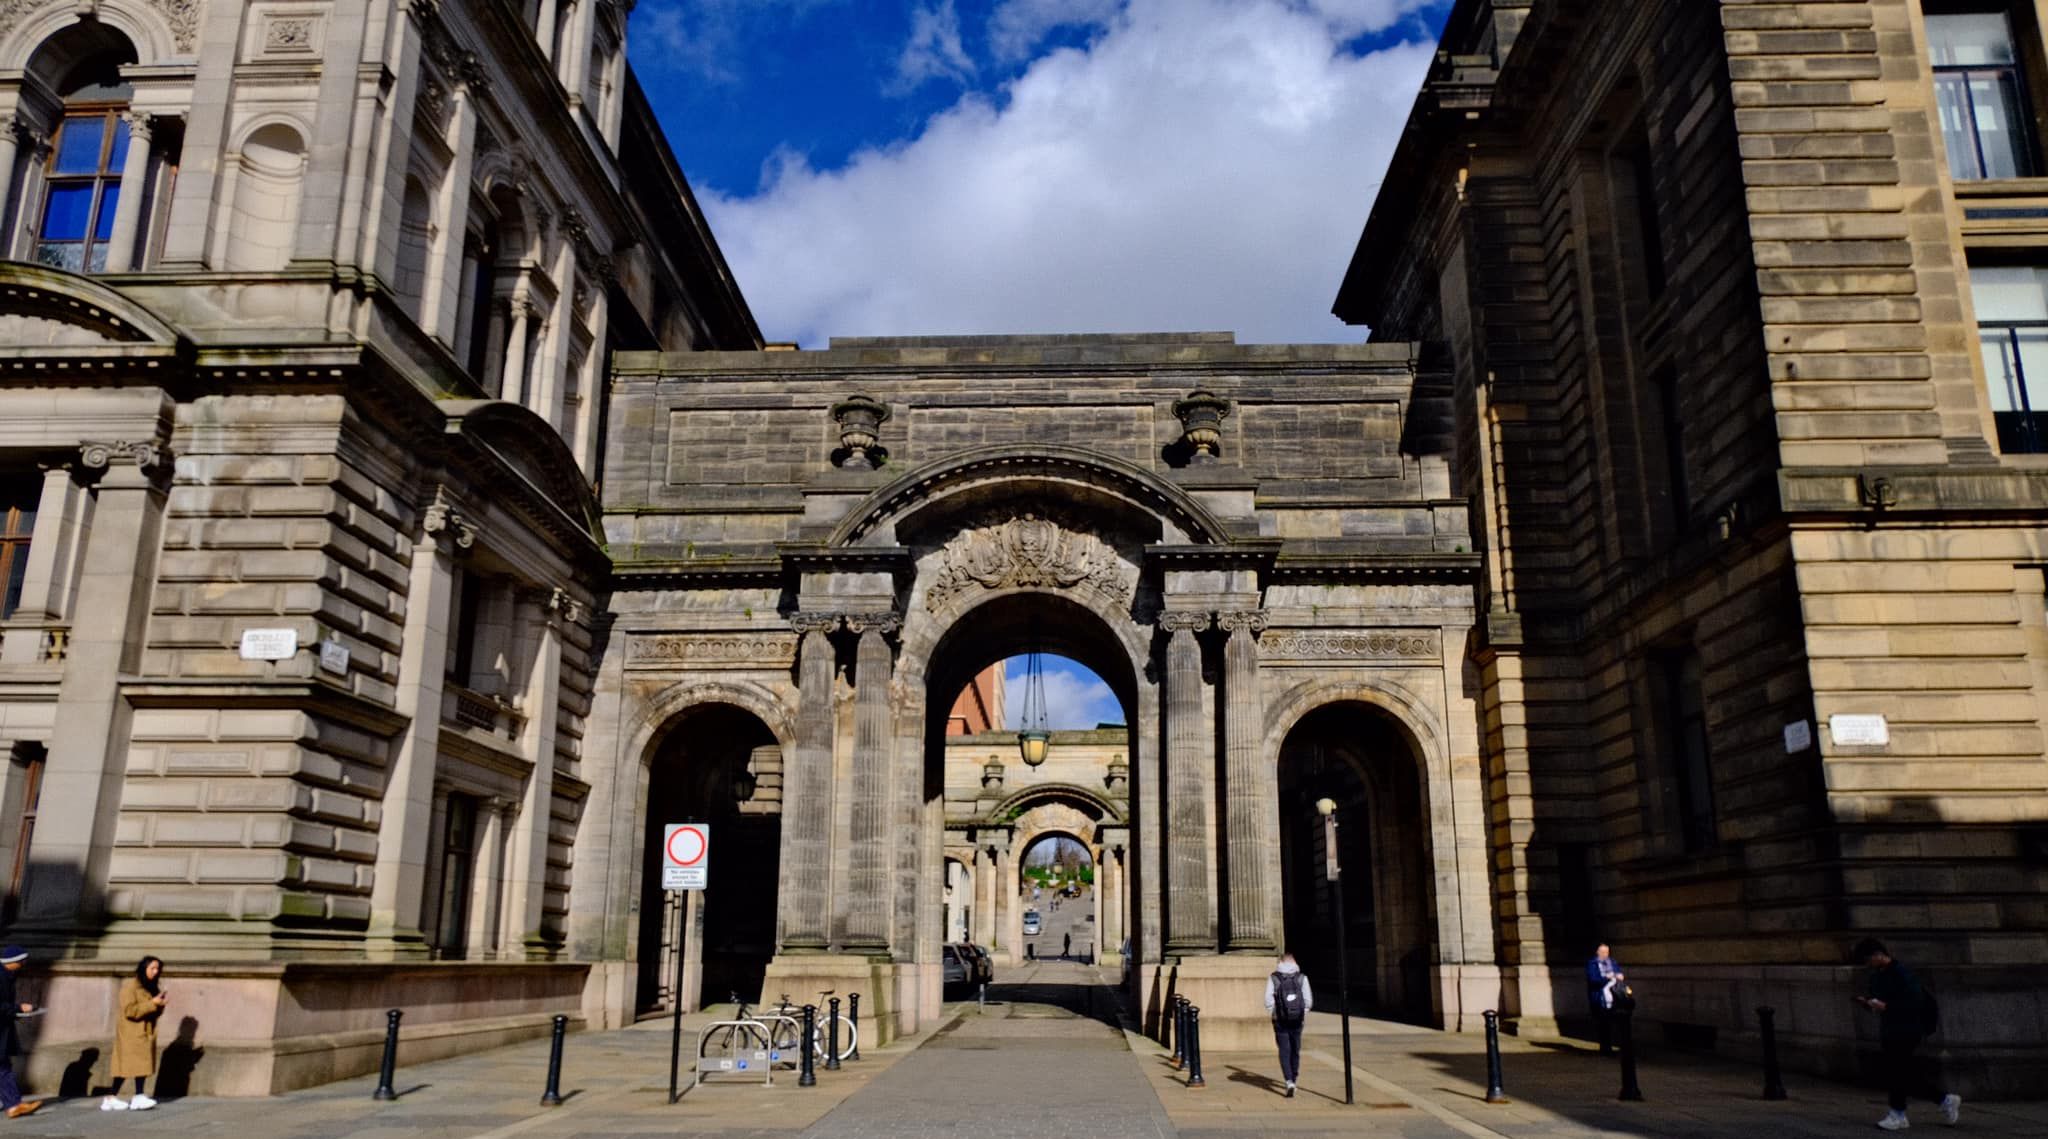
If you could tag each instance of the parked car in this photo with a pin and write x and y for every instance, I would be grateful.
(1031, 923)
(984, 964)
(958, 968)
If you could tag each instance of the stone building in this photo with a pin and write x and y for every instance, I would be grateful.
(1741, 301)
(304, 325)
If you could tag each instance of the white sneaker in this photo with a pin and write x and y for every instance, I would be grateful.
(1893, 1121)
(1951, 1108)
(112, 1104)
(140, 1102)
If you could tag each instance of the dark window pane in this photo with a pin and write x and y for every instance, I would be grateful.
(66, 211)
(14, 564)
(1969, 38)
(61, 255)
(78, 145)
(120, 152)
(103, 226)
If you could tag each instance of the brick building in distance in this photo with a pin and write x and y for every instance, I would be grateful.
(1743, 304)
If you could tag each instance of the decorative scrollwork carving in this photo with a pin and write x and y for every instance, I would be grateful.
(1184, 620)
(444, 522)
(1030, 552)
(146, 454)
(884, 623)
(814, 622)
(1251, 621)
(1389, 644)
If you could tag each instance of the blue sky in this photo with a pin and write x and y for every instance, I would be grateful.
(1074, 696)
(933, 166)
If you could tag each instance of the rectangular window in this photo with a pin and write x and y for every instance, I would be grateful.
(1671, 422)
(83, 190)
(1980, 95)
(1682, 735)
(2012, 332)
(1649, 235)
(19, 497)
(468, 601)
(458, 863)
(31, 777)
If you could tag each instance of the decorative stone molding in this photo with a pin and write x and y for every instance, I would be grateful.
(447, 524)
(1030, 552)
(1251, 621)
(290, 35)
(145, 454)
(140, 125)
(1184, 620)
(1379, 644)
(884, 623)
(992, 775)
(711, 650)
(814, 622)
(183, 18)
(561, 605)
(860, 420)
(1201, 417)
(1118, 778)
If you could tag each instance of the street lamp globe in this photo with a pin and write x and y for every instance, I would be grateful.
(1032, 743)
(1326, 807)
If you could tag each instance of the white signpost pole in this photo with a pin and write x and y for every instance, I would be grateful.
(685, 865)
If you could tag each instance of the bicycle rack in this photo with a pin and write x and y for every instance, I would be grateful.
(744, 1060)
(787, 1057)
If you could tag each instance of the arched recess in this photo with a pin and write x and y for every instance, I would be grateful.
(1369, 762)
(718, 763)
(39, 46)
(264, 206)
(415, 247)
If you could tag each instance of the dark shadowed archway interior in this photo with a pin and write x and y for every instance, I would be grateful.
(720, 765)
(1359, 757)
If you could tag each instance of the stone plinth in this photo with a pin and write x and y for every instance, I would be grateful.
(888, 992)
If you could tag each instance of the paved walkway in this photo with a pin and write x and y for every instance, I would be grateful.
(1051, 1059)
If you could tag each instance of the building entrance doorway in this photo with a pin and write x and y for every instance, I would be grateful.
(1359, 758)
(720, 765)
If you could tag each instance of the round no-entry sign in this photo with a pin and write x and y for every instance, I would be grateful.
(685, 856)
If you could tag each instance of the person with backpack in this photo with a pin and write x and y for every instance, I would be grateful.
(1906, 1015)
(1288, 1000)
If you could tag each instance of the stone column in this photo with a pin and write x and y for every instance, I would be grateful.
(1109, 914)
(9, 148)
(46, 581)
(1188, 758)
(513, 389)
(1007, 890)
(442, 313)
(128, 210)
(528, 864)
(807, 794)
(488, 880)
(984, 895)
(867, 919)
(1253, 803)
(88, 754)
(401, 867)
(544, 29)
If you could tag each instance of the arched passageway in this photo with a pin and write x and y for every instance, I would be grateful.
(1360, 758)
(720, 765)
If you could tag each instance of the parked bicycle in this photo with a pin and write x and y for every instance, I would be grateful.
(849, 1033)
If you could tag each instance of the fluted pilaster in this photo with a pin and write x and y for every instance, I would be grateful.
(1253, 793)
(867, 921)
(1187, 756)
(807, 795)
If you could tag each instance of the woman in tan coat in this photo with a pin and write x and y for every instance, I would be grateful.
(140, 1004)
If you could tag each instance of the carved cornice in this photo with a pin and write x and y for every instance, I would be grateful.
(1184, 620)
(1283, 645)
(724, 651)
(1030, 552)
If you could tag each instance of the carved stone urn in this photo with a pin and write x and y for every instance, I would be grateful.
(860, 420)
(992, 775)
(1118, 779)
(1201, 417)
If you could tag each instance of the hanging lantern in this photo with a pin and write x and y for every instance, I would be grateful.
(1033, 739)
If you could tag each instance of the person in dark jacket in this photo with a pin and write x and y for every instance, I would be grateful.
(11, 960)
(1603, 983)
(1904, 1018)
(1288, 1001)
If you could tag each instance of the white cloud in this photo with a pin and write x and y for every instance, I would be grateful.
(705, 38)
(1353, 18)
(934, 50)
(1074, 697)
(1016, 27)
(1203, 164)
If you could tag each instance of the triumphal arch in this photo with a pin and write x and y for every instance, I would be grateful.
(1258, 548)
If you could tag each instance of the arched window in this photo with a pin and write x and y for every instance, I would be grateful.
(81, 186)
(415, 243)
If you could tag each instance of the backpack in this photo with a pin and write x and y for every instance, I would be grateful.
(1287, 1000)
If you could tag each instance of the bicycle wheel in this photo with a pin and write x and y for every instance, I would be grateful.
(847, 1036)
(785, 1035)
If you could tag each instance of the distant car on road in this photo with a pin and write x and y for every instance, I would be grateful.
(959, 968)
(1031, 923)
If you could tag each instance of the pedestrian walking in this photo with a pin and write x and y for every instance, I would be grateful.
(1066, 946)
(1906, 1015)
(140, 1004)
(11, 1007)
(1288, 1000)
(1603, 985)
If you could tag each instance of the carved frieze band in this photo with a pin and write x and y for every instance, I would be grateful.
(1284, 645)
(710, 650)
(1030, 552)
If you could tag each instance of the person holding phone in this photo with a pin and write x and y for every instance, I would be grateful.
(141, 1002)
(1905, 1015)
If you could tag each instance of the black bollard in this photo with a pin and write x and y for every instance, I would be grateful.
(1180, 1031)
(1195, 1048)
(853, 1015)
(1494, 1094)
(1624, 1026)
(390, 1066)
(1767, 1027)
(832, 1036)
(808, 1076)
(553, 1096)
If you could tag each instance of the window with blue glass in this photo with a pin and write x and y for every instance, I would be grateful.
(83, 190)
(2012, 327)
(1981, 94)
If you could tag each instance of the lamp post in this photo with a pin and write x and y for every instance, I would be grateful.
(1033, 740)
(1328, 809)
